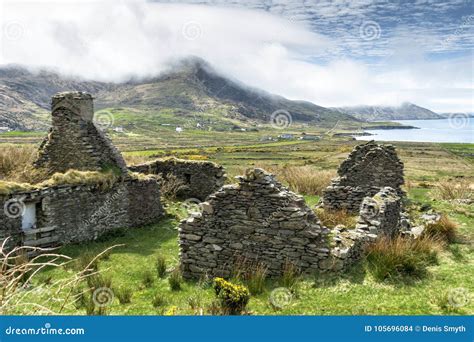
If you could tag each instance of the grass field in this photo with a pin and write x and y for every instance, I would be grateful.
(130, 265)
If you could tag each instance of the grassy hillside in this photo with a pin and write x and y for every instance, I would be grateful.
(132, 266)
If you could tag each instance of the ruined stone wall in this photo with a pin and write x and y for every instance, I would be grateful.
(82, 213)
(257, 219)
(368, 168)
(74, 142)
(199, 178)
(381, 214)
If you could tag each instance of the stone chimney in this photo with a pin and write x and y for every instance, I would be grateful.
(74, 142)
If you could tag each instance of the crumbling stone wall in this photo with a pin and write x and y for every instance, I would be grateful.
(381, 214)
(74, 142)
(199, 178)
(257, 219)
(82, 213)
(368, 168)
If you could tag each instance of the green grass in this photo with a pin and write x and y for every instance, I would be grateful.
(356, 292)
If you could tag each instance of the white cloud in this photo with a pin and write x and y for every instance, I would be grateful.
(112, 41)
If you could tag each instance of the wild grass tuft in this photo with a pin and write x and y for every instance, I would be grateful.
(444, 229)
(159, 300)
(332, 218)
(148, 279)
(175, 280)
(124, 294)
(450, 189)
(399, 258)
(161, 266)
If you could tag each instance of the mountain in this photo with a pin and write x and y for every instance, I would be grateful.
(406, 111)
(191, 87)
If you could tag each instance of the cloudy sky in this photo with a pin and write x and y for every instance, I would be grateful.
(333, 53)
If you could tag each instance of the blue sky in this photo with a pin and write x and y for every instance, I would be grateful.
(441, 29)
(333, 53)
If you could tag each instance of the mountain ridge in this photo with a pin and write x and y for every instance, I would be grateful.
(405, 111)
(192, 86)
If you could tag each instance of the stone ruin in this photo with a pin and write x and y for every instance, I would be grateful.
(198, 179)
(368, 168)
(257, 219)
(74, 142)
(61, 214)
(381, 214)
(261, 221)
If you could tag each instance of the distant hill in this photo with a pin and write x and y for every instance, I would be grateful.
(192, 87)
(406, 111)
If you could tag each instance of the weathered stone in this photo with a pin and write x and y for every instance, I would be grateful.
(198, 178)
(368, 168)
(254, 224)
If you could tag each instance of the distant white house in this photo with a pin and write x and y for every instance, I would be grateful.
(118, 129)
(179, 129)
(4, 129)
(310, 137)
(286, 136)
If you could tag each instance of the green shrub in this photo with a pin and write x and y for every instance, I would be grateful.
(444, 229)
(148, 279)
(124, 295)
(233, 298)
(175, 280)
(401, 257)
(161, 266)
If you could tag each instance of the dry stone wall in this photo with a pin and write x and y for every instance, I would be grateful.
(258, 220)
(74, 142)
(381, 214)
(368, 168)
(199, 178)
(67, 214)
